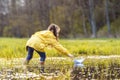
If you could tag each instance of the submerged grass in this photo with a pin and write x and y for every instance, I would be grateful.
(102, 69)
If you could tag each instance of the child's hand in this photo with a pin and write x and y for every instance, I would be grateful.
(70, 55)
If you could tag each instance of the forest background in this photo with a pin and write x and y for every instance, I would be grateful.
(77, 18)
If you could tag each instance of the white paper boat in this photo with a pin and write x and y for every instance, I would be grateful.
(78, 61)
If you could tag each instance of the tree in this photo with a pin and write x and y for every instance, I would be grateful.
(107, 17)
(92, 18)
(3, 15)
(82, 7)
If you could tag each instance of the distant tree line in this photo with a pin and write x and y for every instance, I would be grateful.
(77, 18)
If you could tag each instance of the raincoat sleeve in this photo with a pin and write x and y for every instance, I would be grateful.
(58, 46)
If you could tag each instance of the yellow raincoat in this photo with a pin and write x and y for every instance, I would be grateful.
(42, 39)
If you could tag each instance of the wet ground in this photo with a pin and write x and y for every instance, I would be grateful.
(33, 72)
(96, 73)
(84, 73)
(12, 69)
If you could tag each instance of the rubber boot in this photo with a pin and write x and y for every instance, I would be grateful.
(42, 69)
(26, 62)
(25, 65)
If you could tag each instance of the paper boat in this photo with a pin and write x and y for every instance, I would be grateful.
(78, 61)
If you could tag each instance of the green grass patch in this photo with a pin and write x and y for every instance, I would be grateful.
(15, 47)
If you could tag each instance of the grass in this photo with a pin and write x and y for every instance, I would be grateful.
(12, 54)
(15, 47)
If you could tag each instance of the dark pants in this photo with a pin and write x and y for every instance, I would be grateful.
(30, 54)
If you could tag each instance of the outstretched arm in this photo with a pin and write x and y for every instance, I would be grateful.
(62, 49)
(50, 39)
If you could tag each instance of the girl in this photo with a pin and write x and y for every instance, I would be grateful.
(42, 39)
